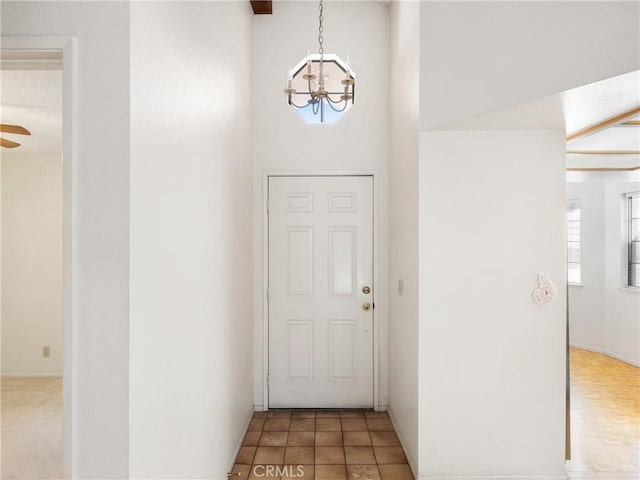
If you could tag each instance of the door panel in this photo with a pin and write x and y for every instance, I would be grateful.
(320, 258)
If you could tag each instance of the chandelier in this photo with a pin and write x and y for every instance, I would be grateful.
(321, 86)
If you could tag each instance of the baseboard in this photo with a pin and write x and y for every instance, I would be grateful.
(587, 347)
(239, 445)
(622, 359)
(606, 352)
(32, 375)
(403, 443)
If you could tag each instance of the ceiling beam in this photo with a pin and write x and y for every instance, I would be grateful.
(599, 126)
(262, 7)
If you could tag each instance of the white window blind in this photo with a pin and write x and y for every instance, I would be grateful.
(633, 239)
(573, 241)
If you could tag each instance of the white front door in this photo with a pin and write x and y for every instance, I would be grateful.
(321, 292)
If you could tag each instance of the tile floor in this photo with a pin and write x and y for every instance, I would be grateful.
(321, 445)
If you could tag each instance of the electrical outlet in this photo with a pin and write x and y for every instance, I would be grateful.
(46, 352)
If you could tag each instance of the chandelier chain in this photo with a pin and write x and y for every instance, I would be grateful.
(321, 41)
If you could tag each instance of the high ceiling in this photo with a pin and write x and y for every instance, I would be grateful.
(32, 97)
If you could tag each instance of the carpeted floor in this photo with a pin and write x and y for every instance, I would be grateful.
(31, 428)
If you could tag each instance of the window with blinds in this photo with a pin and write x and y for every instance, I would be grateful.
(633, 239)
(573, 241)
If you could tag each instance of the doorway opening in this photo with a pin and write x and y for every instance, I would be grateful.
(38, 256)
(603, 307)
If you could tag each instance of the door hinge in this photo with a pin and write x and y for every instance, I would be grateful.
(267, 380)
(268, 206)
(267, 294)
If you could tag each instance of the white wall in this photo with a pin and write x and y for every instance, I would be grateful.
(518, 53)
(403, 223)
(586, 302)
(492, 379)
(31, 264)
(282, 141)
(604, 317)
(100, 422)
(191, 210)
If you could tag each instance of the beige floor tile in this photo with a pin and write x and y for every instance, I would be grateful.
(356, 439)
(299, 455)
(363, 472)
(279, 414)
(379, 424)
(328, 439)
(389, 455)
(300, 472)
(256, 424)
(277, 424)
(262, 472)
(273, 439)
(359, 455)
(351, 414)
(303, 414)
(243, 470)
(327, 414)
(329, 455)
(302, 425)
(372, 414)
(301, 439)
(269, 456)
(330, 472)
(353, 424)
(251, 439)
(259, 414)
(384, 439)
(246, 455)
(328, 424)
(395, 472)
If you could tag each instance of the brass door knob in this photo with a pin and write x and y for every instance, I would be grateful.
(366, 306)
(366, 290)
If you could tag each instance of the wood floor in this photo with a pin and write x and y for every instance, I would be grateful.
(605, 418)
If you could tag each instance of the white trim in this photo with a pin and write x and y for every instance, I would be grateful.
(622, 358)
(576, 285)
(587, 347)
(403, 444)
(265, 271)
(68, 46)
(629, 290)
(606, 352)
(239, 443)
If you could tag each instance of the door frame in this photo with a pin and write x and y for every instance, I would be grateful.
(67, 44)
(266, 175)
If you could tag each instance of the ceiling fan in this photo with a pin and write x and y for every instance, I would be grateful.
(15, 129)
